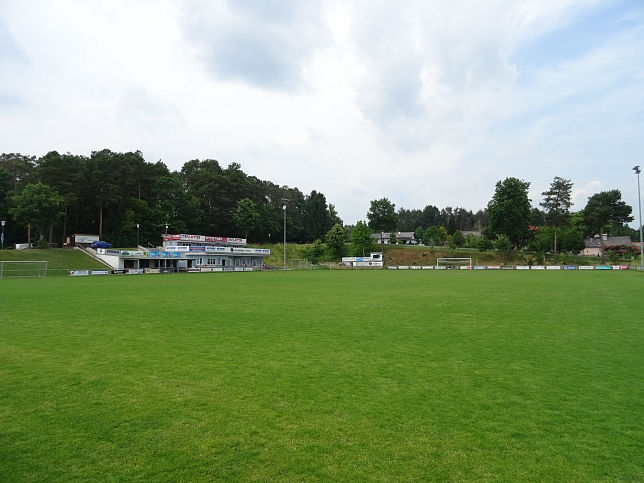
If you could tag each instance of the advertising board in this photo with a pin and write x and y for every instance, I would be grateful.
(78, 273)
(253, 251)
(218, 249)
(132, 253)
(370, 264)
(203, 238)
(178, 248)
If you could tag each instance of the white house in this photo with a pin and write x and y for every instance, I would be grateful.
(593, 245)
(402, 237)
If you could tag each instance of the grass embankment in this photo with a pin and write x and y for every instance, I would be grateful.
(417, 255)
(321, 375)
(59, 260)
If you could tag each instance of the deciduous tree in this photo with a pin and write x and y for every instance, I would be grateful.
(361, 239)
(38, 205)
(382, 215)
(603, 209)
(335, 238)
(458, 239)
(509, 210)
(245, 216)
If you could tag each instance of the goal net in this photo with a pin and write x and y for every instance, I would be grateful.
(454, 263)
(23, 268)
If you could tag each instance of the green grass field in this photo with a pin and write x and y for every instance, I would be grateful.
(323, 375)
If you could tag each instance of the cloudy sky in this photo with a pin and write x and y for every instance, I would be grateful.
(420, 101)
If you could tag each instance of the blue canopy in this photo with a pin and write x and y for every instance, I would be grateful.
(100, 244)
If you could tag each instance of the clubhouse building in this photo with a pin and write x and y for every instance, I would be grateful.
(188, 253)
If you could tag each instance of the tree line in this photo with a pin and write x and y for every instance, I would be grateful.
(510, 221)
(110, 193)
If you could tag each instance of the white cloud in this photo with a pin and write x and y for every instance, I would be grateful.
(421, 102)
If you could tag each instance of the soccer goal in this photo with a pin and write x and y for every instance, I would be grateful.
(454, 263)
(23, 268)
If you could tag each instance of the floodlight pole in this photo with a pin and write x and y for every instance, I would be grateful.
(639, 204)
(284, 209)
(2, 237)
(138, 260)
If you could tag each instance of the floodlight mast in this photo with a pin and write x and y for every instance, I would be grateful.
(284, 209)
(639, 204)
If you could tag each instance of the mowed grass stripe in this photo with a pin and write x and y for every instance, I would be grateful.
(323, 375)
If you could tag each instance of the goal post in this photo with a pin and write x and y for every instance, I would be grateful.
(454, 263)
(23, 268)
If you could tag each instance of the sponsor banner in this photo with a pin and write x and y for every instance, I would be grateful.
(228, 269)
(523, 267)
(239, 269)
(603, 267)
(206, 269)
(263, 251)
(416, 267)
(132, 253)
(392, 267)
(191, 269)
(442, 267)
(538, 267)
(494, 267)
(586, 267)
(218, 249)
(403, 267)
(171, 237)
(78, 273)
(553, 267)
(368, 264)
(163, 254)
(195, 248)
(507, 267)
(218, 269)
(118, 272)
(479, 267)
(428, 267)
(203, 238)
(248, 269)
(570, 267)
(134, 271)
(238, 241)
(178, 248)
(620, 267)
(151, 270)
(349, 259)
(100, 272)
(86, 238)
(223, 239)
